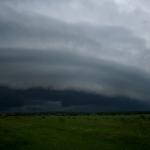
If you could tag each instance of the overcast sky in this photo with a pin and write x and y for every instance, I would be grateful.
(101, 46)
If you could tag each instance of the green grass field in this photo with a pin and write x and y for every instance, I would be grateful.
(94, 132)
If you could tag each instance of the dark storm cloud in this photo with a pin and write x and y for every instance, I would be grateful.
(96, 46)
(43, 100)
(65, 69)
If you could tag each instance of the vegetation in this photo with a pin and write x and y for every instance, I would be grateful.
(75, 132)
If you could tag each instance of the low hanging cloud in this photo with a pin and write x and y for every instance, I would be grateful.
(65, 69)
(94, 46)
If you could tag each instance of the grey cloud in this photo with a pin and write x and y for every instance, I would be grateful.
(109, 42)
(70, 70)
(99, 46)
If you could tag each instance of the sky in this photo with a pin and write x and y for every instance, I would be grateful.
(98, 46)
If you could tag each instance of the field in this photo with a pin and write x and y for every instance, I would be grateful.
(81, 132)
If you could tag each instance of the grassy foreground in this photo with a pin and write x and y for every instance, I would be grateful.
(103, 132)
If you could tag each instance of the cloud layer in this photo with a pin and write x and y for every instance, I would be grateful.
(89, 45)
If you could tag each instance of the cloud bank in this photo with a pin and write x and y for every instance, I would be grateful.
(84, 45)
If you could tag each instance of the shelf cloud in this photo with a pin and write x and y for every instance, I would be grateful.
(83, 45)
